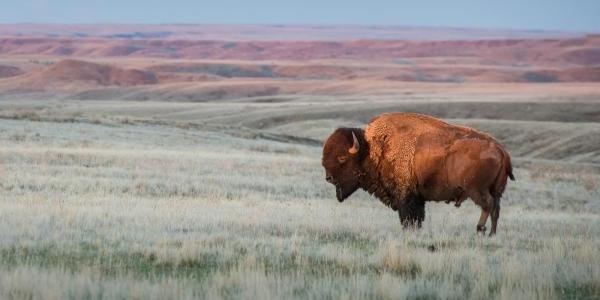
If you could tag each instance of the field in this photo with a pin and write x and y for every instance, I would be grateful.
(150, 177)
(99, 202)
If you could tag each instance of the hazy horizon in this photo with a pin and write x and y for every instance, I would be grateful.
(366, 25)
(533, 15)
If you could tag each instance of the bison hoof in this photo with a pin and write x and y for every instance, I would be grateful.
(492, 233)
(481, 229)
(447, 201)
(457, 204)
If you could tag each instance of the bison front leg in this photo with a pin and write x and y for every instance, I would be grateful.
(412, 213)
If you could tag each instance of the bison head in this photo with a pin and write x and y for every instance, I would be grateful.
(343, 153)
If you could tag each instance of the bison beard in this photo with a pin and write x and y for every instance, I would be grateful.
(339, 194)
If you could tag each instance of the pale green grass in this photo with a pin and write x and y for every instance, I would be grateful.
(159, 212)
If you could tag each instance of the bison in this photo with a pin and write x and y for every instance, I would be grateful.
(405, 159)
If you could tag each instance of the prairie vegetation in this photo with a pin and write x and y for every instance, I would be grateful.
(113, 204)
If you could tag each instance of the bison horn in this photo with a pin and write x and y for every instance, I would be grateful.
(356, 145)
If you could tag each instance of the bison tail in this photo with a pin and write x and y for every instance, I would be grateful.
(504, 173)
(509, 168)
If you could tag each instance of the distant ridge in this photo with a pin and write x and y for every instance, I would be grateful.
(9, 71)
(69, 72)
(576, 51)
(220, 62)
(279, 32)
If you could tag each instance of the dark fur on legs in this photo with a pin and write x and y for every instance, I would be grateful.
(495, 214)
(412, 213)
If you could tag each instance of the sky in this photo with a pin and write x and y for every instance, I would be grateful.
(574, 15)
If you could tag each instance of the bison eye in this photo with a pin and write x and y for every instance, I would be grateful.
(342, 159)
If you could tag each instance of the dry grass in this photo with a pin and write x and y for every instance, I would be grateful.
(115, 210)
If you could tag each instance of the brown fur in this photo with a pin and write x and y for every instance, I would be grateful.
(406, 159)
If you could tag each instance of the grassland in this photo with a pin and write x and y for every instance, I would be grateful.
(183, 162)
(155, 200)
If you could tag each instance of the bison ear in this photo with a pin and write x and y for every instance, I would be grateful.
(356, 146)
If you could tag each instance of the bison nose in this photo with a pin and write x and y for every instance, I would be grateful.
(329, 178)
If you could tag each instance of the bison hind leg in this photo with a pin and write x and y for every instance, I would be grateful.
(489, 206)
(495, 215)
(412, 213)
(482, 220)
